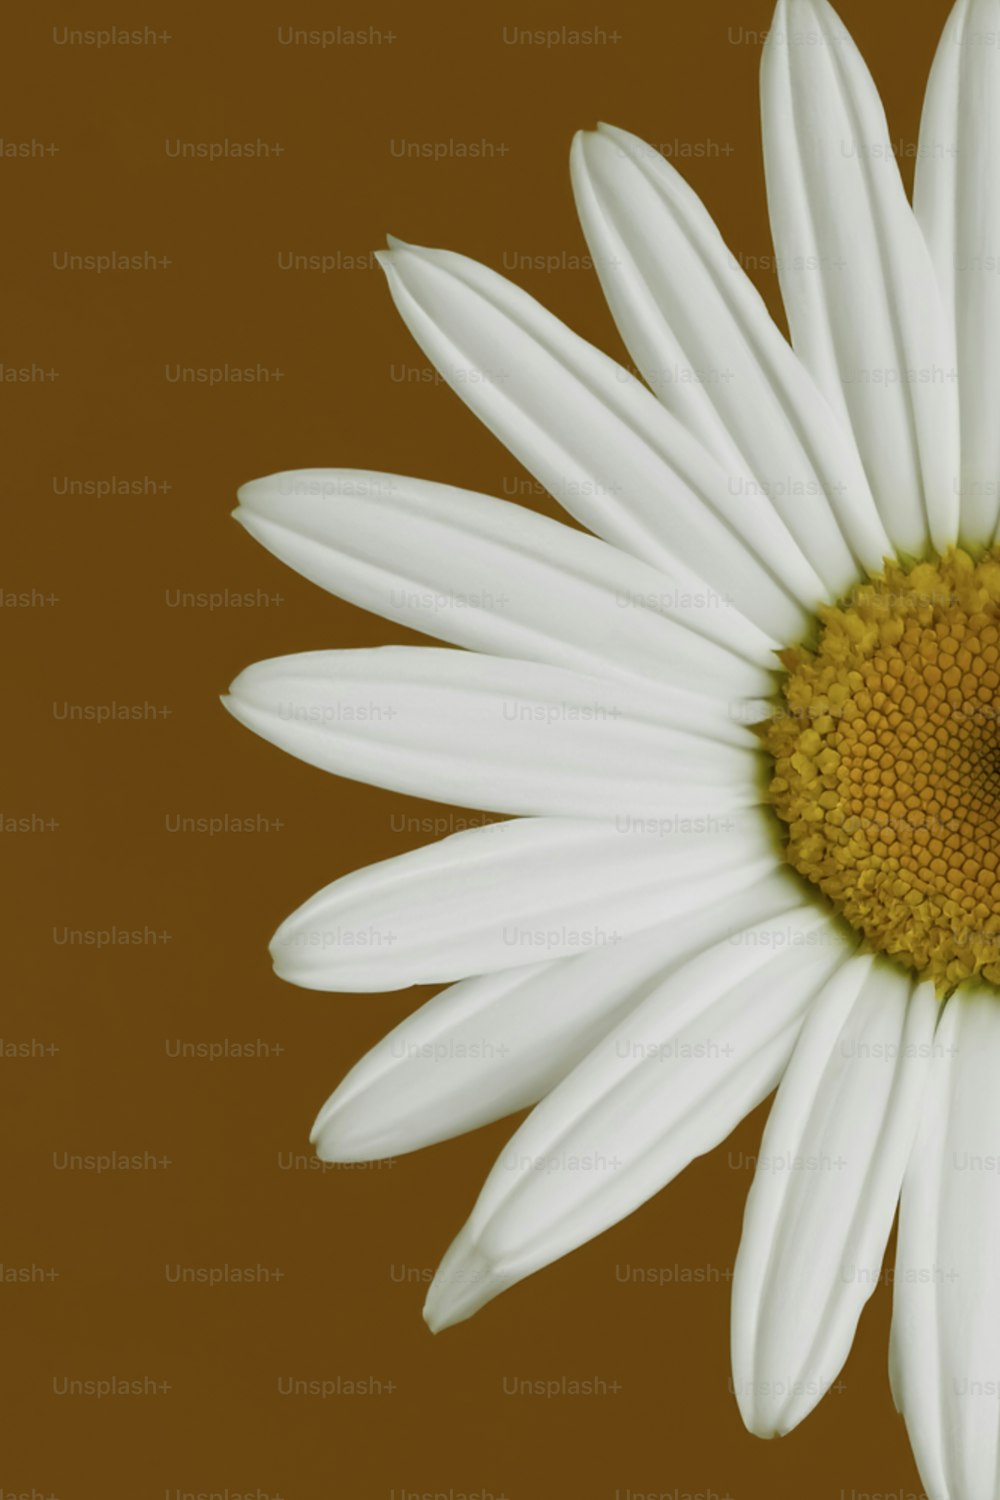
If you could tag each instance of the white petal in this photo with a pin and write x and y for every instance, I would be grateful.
(957, 201)
(863, 303)
(702, 337)
(946, 1291)
(825, 1191)
(669, 1083)
(510, 736)
(495, 1044)
(513, 893)
(600, 442)
(496, 577)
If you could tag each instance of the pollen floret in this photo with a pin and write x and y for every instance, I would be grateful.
(887, 764)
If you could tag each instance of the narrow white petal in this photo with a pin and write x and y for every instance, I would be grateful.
(863, 302)
(666, 1085)
(600, 443)
(957, 200)
(510, 736)
(946, 1290)
(702, 337)
(496, 577)
(825, 1191)
(488, 1046)
(514, 893)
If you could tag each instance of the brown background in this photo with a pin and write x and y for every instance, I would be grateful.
(354, 1246)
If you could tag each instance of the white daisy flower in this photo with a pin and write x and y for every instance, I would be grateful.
(748, 727)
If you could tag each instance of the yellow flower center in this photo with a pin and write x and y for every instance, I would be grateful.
(887, 764)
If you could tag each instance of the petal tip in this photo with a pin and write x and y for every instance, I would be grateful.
(430, 1325)
(465, 1281)
(333, 1139)
(328, 1149)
